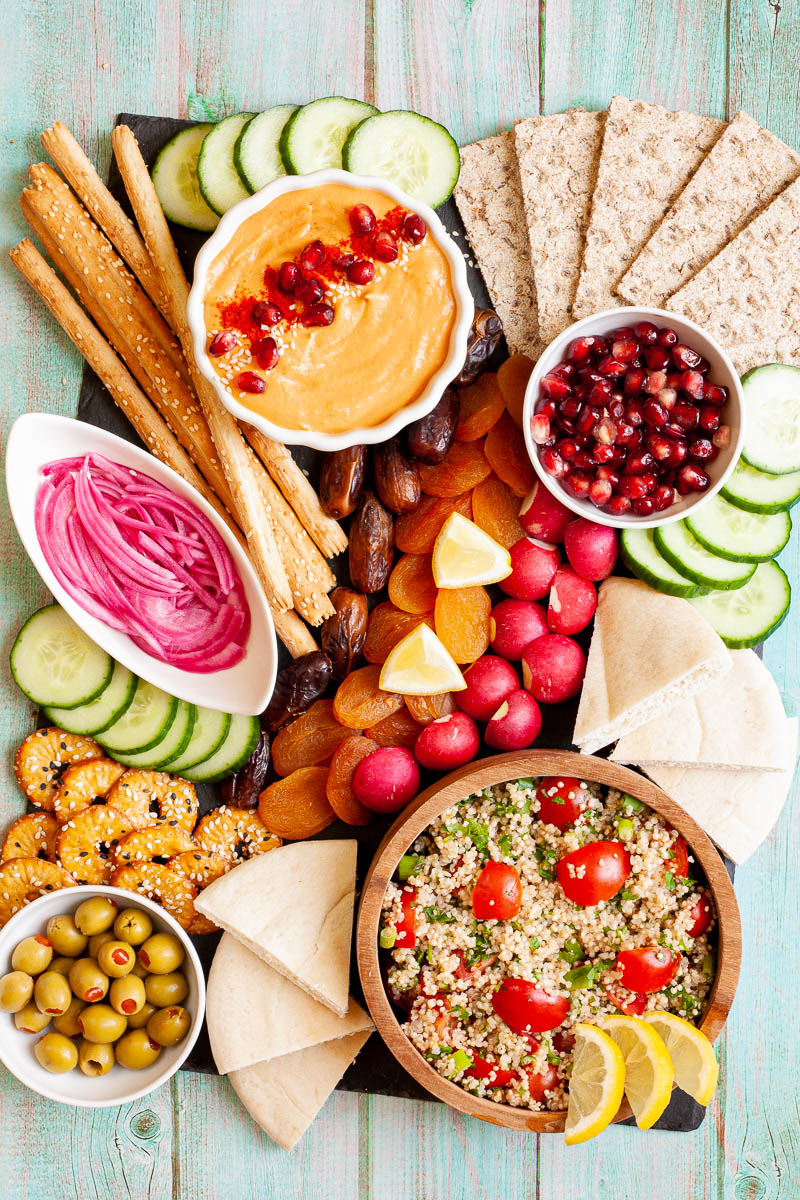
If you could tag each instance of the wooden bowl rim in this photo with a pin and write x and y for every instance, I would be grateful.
(500, 769)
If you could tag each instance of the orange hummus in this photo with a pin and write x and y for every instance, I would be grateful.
(386, 339)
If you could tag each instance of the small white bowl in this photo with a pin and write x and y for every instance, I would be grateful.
(119, 1086)
(39, 438)
(721, 372)
(459, 335)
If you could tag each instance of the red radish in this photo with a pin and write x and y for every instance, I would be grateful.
(533, 568)
(447, 742)
(591, 548)
(489, 680)
(513, 625)
(572, 602)
(553, 668)
(543, 516)
(516, 723)
(386, 780)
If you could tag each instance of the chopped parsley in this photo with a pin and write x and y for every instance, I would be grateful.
(572, 952)
(483, 946)
(669, 880)
(437, 917)
(587, 975)
(504, 844)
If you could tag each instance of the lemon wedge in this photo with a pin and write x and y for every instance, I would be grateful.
(693, 1059)
(464, 556)
(648, 1069)
(596, 1084)
(421, 666)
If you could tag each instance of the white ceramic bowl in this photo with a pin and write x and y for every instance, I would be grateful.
(39, 438)
(459, 335)
(119, 1086)
(721, 372)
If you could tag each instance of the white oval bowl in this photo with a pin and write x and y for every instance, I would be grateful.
(436, 385)
(721, 372)
(39, 438)
(119, 1086)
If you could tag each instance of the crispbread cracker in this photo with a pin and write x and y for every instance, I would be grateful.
(558, 157)
(648, 156)
(489, 200)
(744, 170)
(748, 296)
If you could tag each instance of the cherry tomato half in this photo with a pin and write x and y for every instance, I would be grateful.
(527, 1008)
(679, 863)
(562, 799)
(406, 938)
(488, 1071)
(498, 892)
(647, 970)
(542, 1082)
(632, 1004)
(594, 872)
(702, 915)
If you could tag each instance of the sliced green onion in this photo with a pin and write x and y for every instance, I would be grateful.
(631, 803)
(387, 938)
(624, 828)
(460, 1061)
(409, 865)
(708, 966)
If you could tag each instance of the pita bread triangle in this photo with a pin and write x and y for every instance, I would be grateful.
(648, 651)
(293, 908)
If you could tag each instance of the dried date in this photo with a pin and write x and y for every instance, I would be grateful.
(298, 685)
(242, 789)
(396, 479)
(431, 437)
(342, 634)
(484, 338)
(371, 544)
(342, 480)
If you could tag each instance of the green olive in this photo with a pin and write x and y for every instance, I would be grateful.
(67, 1023)
(96, 915)
(137, 1050)
(95, 1058)
(116, 959)
(33, 955)
(52, 994)
(98, 941)
(139, 1019)
(64, 935)
(163, 990)
(161, 954)
(56, 1053)
(100, 1023)
(87, 980)
(30, 1020)
(61, 965)
(127, 996)
(133, 926)
(16, 989)
(169, 1026)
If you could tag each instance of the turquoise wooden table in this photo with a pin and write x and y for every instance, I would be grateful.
(475, 65)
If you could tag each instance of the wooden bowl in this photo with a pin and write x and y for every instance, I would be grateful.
(467, 780)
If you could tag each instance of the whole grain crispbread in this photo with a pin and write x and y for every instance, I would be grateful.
(648, 156)
(558, 157)
(741, 174)
(489, 199)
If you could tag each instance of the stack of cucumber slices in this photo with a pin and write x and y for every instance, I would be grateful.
(206, 169)
(721, 556)
(82, 690)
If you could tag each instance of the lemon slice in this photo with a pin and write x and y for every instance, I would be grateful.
(693, 1060)
(595, 1086)
(648, 1069)
(420, 666)
(463, 555)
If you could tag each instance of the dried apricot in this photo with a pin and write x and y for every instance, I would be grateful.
(496, 510)
(387, 626)
(360, 702)
(505, 450)
(465, 466)
(415, 532)
(297, 807)
(425, 709)
(339, 788)
(512, 379)
(411, 585)
(400, 729)
(462, 621)
(482, 406)
(308, 740)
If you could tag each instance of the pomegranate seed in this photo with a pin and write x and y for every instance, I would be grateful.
(625, 349)
(344, 261)
(600, 492)
(578, 483)
(266, 314)
(645, 506)
(691, 479)
(677, 454)
(655, 382)
(599, 346)
(580, 350)
(634, 411)
(618, 505)
(627, 435)
(709, 418)
(600, 393)
(583, 461)
(385, 247)
(655, 413)
(674, 379)
(605, 431)
(667, 337)
(685, 358)
(567, 448)
(632, 486)
(667, 396)
(312, 255)
(693, 384)
(606, 472)
(362, 219)
(659, 446)
(646, 332)
(553, 463)
(616, 407)
(639, 462)
(361, 271)
(555, 387)
(701, 448)
(620, 456)
(248, 381)
(221, 343)
(602, 452)
(414, 229)
(266, 354)
(567, 425)
(656, 358)
(703, 366)
(686, 415)
(714, 395)
(587, 419)
(570, 408)
(288, 277)
(649, 479)
(663, 497)
(540, 429)
(548, 409)
(310, 292)
(565, 369)
(722, 437)
(608, 365)
(319, 314)
(633, 381)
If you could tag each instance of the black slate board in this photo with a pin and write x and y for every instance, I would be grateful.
(375, 1070)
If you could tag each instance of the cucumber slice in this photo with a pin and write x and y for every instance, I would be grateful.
(176, 184)
(210, 730)
(414, 152)
(239, 744)
(54, 662)
(772, 411)
(740, 536)
(640, 555)
(749, 615)
(313, 137)
(104, 710)
(756, 491)
(256, 155)
(174, 741)
(683, 552)
(218, 178)
(144, 724)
